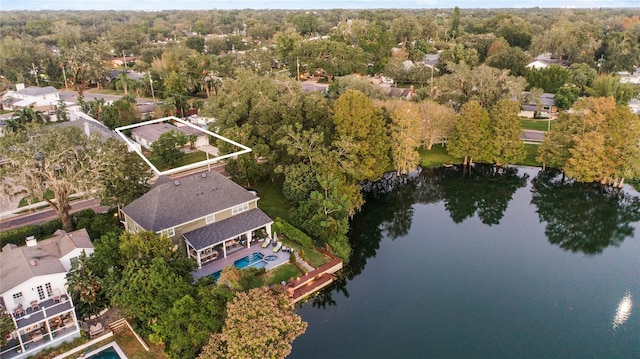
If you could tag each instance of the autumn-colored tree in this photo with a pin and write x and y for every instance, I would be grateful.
(436, 122)
(506, 145)
(471, 135)
(260, 324)
(598, 141)
(362, 136)
(404, 131)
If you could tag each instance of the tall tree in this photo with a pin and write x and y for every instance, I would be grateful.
(86, 288)
(436, 124)
(404, 131)
(125, 179)
(256, 331)
(60, 159)
(507, 147)
(471, 135)
(167, 149)
(124, 82)
(24, 116)
(361, 133)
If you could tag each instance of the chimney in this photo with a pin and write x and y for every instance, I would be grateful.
(31, 241)
(19, 87)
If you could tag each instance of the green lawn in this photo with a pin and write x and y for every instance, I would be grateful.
(539, 125)
(530, 160)
(282, 273)
(272, 201)
(25, 200)
(189, 158)
(436, 156)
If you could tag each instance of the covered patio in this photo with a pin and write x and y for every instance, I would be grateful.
(220, 239)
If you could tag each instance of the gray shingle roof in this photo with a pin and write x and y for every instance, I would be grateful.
(16, 262)
(229, 228)
(167, 205)
(37, 91)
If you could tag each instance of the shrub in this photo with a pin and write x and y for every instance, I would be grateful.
(291, 232)
(17, 236)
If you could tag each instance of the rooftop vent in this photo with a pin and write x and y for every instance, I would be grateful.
(33, 263)
(204, 175)
(177, 183)
(31, 241)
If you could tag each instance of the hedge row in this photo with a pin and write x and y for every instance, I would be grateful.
(19, 235)
(283, 227)
(95, 224)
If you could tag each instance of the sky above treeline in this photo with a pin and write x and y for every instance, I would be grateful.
(151, 5)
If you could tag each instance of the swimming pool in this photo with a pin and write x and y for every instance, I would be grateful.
(109, 351)
(252, 260)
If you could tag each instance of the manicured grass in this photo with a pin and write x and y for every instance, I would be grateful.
(134, 350)
(539, 125)
(635, 184)
(25, 200)
(436, 156)
(190, 158)
(530, 160)
(282, 273)
(272, 201)
(313, 257)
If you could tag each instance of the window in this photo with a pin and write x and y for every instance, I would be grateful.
(73, 261)
(210, 218)
(49, 290)
(240, 208)
(17, 298)
(41, 292)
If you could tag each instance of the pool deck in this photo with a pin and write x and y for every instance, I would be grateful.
(218, 264)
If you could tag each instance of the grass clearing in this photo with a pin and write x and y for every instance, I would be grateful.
(282, 274)
(530, 160)
(134, 350)
(189, 158)
(272, 200)
(312, 256)
(538, 125)
(436, 156)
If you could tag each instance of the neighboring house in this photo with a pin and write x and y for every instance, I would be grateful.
(398, 92)
(133, 75)
(210, 213)
(148, 134)
(630, 78)
(120, 60)
(40, 98)
(543, 61)
(32, 290)
(546, 109)
(90, 127)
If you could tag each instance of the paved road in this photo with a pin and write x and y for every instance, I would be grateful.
(532, 135)
(47, 214)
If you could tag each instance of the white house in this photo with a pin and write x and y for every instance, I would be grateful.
(32, 292)
(41, 98)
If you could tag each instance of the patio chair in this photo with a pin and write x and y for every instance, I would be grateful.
(95, 329)
(34, 305)
(277, 247)
(57, 295)
(266, 243)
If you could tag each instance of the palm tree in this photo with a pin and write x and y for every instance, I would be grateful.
(123, 81)
(24, 116)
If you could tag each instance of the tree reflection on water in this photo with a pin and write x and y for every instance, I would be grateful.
(583, 217)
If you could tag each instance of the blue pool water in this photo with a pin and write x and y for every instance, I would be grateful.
(109, 351)
(252, 260)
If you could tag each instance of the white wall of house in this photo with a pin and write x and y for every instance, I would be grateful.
(66, 260)
(29, 290)
(202, 141)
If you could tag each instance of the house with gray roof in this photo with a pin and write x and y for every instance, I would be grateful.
(32, 291)
(40, 98)
(210, 213)
(146, 135)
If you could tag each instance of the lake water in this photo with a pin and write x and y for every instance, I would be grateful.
(517, 264)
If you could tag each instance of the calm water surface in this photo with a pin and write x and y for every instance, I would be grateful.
(518, 264)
